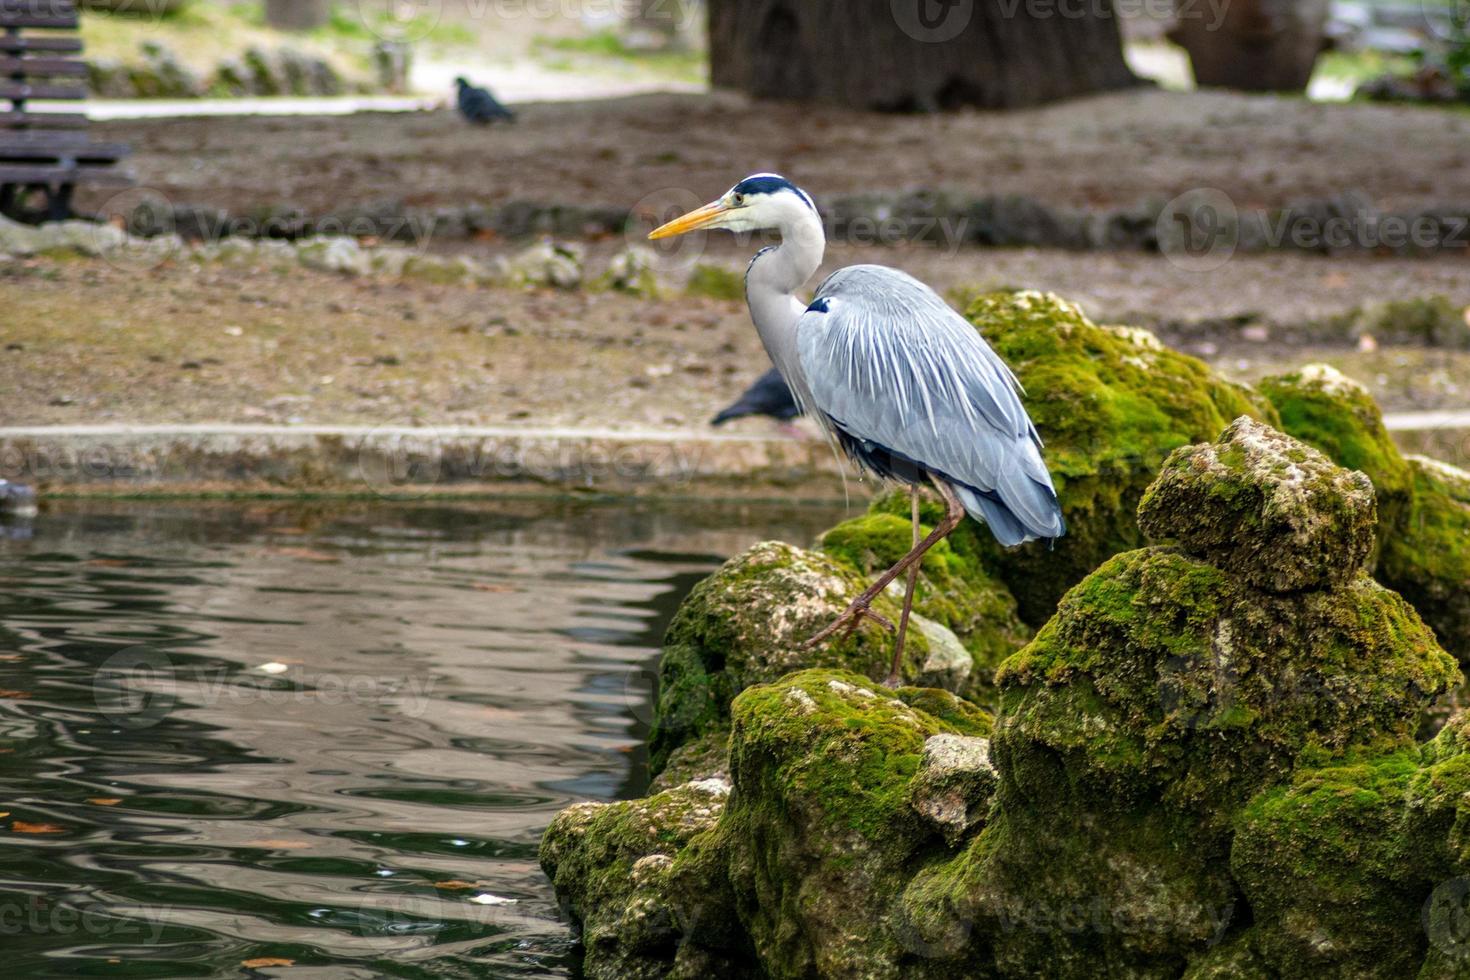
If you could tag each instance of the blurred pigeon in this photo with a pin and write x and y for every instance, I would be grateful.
(768, 396)
(479, 106)
(17, 500)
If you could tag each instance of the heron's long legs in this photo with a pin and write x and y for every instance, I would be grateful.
(908, 597)
(954, 513)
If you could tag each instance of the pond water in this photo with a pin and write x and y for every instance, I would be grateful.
(330, 735)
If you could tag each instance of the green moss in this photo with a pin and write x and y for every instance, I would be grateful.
(952, 590)
(748, 623)
(1337, 415)
(715, 282)
(1428, 559)
(1338, 864)
(1110, 403)
(1156, 648)
(705, 757)
(1265, 507)
(612, 867)
(820, 831)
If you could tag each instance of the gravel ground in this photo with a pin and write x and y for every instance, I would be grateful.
(1106, 151)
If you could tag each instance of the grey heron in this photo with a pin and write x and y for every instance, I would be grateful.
(906, 387)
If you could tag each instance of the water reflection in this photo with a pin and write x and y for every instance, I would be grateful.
(329, 735)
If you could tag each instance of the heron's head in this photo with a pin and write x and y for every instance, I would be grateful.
(461, 81)
(758, 203)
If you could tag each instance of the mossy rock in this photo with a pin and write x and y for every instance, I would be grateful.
(1110, 404)
(747, 624)
(1149, 714)
(1164, 680)
(1325, 409)
(1428, 560)
(821, 831)
(1271, 510)
(953, 589)
(1423, 505)
(612, 867)
(1360, 865)
(1334, 879)
(706, 757)
(1196, 769)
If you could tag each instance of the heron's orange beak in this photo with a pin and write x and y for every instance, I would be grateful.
(693, 221)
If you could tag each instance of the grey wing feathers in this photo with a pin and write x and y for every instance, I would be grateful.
(891, 364)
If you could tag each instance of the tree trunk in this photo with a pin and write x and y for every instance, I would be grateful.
(917, 55)
(297, 15)
(1254, 45)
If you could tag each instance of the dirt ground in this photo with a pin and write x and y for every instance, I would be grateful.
(85, 342)
(1110, 150)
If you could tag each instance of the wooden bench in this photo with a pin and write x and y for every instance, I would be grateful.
(45, 155)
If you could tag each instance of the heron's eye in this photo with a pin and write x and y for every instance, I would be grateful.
(738, 200)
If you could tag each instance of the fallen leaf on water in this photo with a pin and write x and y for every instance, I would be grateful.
(305, 554)
(11, 656)
(492, 587)
(455, 885)
(261, 961)
(21, 827)
(105, 800)
(14, 695)
(274, 667)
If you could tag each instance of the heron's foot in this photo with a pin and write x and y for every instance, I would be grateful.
(849, 621)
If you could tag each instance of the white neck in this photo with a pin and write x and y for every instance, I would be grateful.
(770, 291)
